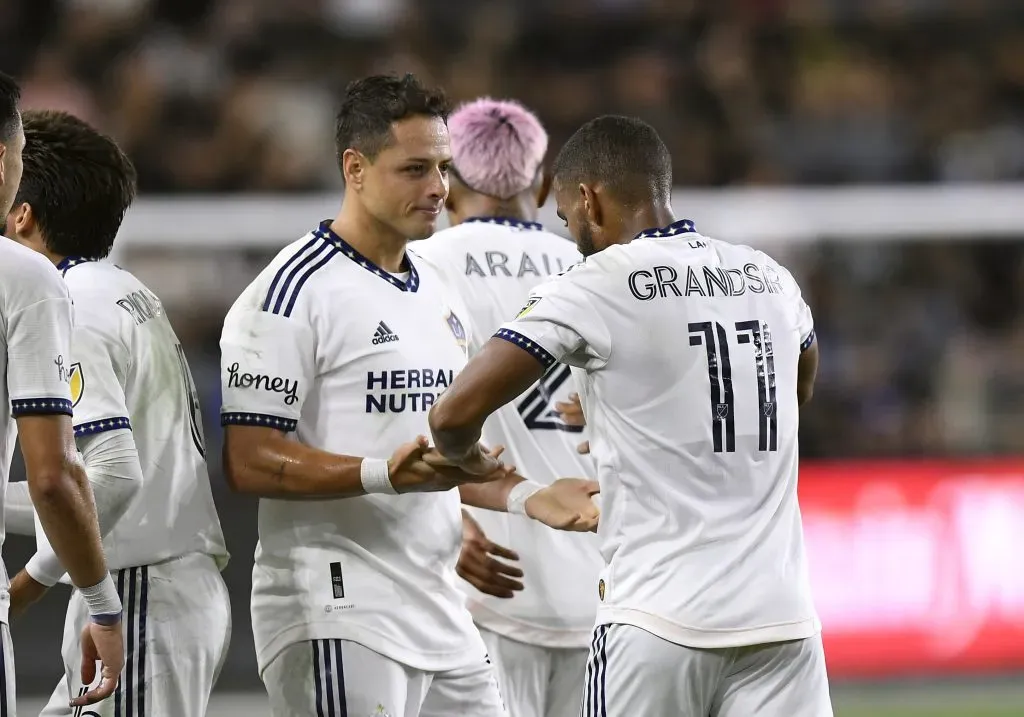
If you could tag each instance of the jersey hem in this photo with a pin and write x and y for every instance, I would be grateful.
(47, 406)
(247, 418)
(529, 345)
(91, 428)
(430, 662)
(528, 633)
(709, 639)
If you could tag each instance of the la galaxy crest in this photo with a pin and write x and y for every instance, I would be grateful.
(528, 308)
(77, 382)
(458, 331)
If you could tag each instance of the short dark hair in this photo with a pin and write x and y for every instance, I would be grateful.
(78, 182)
(371, 105)
(10, 94)
(623, 153)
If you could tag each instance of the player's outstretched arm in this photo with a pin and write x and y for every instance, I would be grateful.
(498, 373)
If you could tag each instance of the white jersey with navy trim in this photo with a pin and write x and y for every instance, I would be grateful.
(35, 328)
(129, 371)
(350, 358)
(493, 264)
(688, 349)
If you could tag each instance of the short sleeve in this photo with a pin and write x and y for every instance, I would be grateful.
(267, 368)
(801, 312)
(38, 337)
(561, 323)
(97, 389)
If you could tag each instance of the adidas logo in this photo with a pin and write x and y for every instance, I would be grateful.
(383, 334)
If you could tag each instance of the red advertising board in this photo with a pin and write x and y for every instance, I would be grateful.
(917, 567)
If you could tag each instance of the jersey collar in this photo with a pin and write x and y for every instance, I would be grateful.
(683, 226)
(506, 222)
(70, 261)
(411, 284)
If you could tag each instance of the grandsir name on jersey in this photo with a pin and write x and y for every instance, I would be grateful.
(350, 358)
(690, 394)
(494, 263)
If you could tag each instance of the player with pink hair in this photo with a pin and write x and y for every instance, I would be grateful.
(535, 608)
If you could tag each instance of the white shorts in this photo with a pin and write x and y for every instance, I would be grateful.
(177, 626)
(338, 678)
(632, 672)
(537, 681)
(8, 696)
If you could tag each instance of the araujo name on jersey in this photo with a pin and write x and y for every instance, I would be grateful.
(497, 263)
(391, 391)
(262, 382)
(707, 281)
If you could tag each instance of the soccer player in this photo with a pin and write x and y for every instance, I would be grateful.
(137, 424)
(35, 320)
(331, 359)
(694, 358)
(493, 256)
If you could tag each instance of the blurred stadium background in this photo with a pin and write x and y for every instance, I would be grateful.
(873, 146)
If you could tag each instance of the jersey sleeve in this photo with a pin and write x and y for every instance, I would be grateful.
(560, 323)
(267, 368)
(801, 312)
(38, 338)
(100, 361)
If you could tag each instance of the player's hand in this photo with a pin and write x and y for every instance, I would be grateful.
(479, 462)
(477, 566)
(584, 448)
(24, 591)
(571, 411)
(415, 468)
(566, 504)
(106, 644)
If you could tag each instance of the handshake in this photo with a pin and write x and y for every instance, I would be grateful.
(566, 504)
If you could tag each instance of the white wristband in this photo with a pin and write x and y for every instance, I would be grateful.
(104, 604)
(373, 474)
(519, 494)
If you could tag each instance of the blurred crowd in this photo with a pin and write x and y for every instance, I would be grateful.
(236, 95)
(921, 342)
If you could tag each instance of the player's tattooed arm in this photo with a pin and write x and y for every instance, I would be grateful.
(264, 462)
(497, 374)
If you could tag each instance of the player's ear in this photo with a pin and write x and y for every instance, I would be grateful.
(353, 165)
(22, 220)
(544, 189)
(3, 163)
(591, 205)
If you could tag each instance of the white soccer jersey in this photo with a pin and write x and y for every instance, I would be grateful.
(35, 327)
(493, 264)
(688, 348)
(350, 358)
(129, 372)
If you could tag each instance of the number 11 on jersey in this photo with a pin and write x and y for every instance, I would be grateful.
(715, 339)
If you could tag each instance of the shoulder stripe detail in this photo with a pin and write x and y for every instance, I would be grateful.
(806, 344)
(258, 419)
(107, 424)
(331, 253)
(527, 344)
(296, 267)
(46, 406)
(297, 257)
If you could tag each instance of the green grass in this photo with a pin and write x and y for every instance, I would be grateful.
(997, 698)
(932, 711)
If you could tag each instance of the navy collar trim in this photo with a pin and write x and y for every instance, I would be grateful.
(411, 284)
(70, 261)
(506, 222)
(683, 226)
